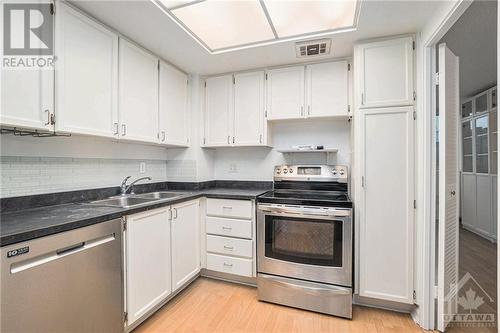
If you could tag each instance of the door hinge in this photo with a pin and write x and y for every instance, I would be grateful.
(158, 64)
(436, 79)
(124, 222)
(52, 8)
(204, 141)
(414, 115)
(265, 114)
(52, 119)
(413, 45)
(205, 84)
(414, 96)
(234, 80)
(125, 317)
(266, 76)
(414, 295)
(348, 108)
(187, 82)
(348, 67)
(362, 181)
(414, 204)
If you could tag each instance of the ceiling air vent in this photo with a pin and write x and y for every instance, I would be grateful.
(313, 48)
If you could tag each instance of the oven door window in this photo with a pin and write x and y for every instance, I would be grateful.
(304, 241)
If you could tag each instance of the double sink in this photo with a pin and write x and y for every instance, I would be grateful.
(136, 200)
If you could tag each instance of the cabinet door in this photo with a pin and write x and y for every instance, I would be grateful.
(185, 243)
(386, 73)
(327, 89)
(285, 93)
(249, 109)
(218, 111)
(148, 265)
(173, 106)
(138, 93)
(86, 75)
(386, 213)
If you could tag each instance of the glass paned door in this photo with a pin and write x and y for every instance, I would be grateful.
(481, 133)
(493, 142)
(467, 153)
(305, 241)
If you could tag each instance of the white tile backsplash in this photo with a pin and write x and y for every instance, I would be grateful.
(36, 175)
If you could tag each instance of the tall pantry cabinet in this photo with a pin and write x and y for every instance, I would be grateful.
(384, 186)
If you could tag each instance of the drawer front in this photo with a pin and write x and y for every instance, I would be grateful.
(230, 208)
(229, 227)
(230, 246)
(231, 265)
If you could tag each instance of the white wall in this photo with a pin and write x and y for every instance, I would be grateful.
(258, 163)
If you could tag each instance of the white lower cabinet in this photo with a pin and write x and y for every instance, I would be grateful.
(185, 242)
(231, 265)
(230, 246)
(147, 257)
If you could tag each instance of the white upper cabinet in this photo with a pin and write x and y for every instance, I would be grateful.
(173, 112)
(86, 75)
(185, 242)
(148, 261)
(27, 97)
(327, 89)
(386, 73)
(285, 93)
(249, 120)
(218, 111)
(138, 93)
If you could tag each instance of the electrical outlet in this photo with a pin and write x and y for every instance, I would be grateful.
(142, 167)
(233, 168)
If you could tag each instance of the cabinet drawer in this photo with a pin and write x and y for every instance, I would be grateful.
(229, 227)
(231, 265)
(230, 208)
(231, 246)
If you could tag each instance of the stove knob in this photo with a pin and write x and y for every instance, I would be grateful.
(341, 172)
(278, 171)
(291, 170)
(285, 171)
(334, 172)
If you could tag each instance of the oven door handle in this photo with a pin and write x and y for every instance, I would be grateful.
(305, 212)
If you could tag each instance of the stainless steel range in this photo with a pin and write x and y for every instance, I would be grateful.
(304, 239)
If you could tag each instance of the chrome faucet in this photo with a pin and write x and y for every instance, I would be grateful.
(124, 188)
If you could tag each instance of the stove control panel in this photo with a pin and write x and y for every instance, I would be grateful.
(311, 173)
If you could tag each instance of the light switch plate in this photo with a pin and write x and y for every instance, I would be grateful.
(233, 168)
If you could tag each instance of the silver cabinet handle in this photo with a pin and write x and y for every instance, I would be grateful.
(229, 247)
(48, 116)
(227, 207)
(175, 213)
(308, 109)
(124, 129)
(260, 139)
(228, 265)
(228, 139)
(116, 128)
(233, 139)
(362, 99)
(227, 228)
(302, 111)
(162, 136)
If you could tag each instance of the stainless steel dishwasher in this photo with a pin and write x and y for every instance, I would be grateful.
(67, 282)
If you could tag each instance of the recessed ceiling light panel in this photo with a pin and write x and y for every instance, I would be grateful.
(222, 24)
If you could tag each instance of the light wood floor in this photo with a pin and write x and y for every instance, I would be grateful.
(214, 306)
(478, 256)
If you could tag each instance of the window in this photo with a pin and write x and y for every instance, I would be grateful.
(467, 109)
(467, 165)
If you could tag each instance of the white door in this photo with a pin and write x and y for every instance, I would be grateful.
(448, 231)
(185, 243)
(173, 112)
(86, 75)
(285, 93)
(219, 111)
(249, 109)
(386, 69)
(387, 214)
(138, 93)
(148, 263)
(327, 89)
(27, 96)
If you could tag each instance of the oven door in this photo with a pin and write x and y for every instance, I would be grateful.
(308, 243)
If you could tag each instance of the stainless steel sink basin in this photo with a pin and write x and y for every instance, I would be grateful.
(122, 202)
(159, 195)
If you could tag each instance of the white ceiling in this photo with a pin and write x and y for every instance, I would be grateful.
(144, 23)
(473, 38)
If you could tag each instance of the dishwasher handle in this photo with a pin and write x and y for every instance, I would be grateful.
(70, 249)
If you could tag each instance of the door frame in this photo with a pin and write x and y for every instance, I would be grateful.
(426, 138)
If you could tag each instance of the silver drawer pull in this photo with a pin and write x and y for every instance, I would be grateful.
(227, 207)
(227, 228)
(228, 265)
(229, 247)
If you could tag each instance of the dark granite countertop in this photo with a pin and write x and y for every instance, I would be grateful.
(23, 225)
